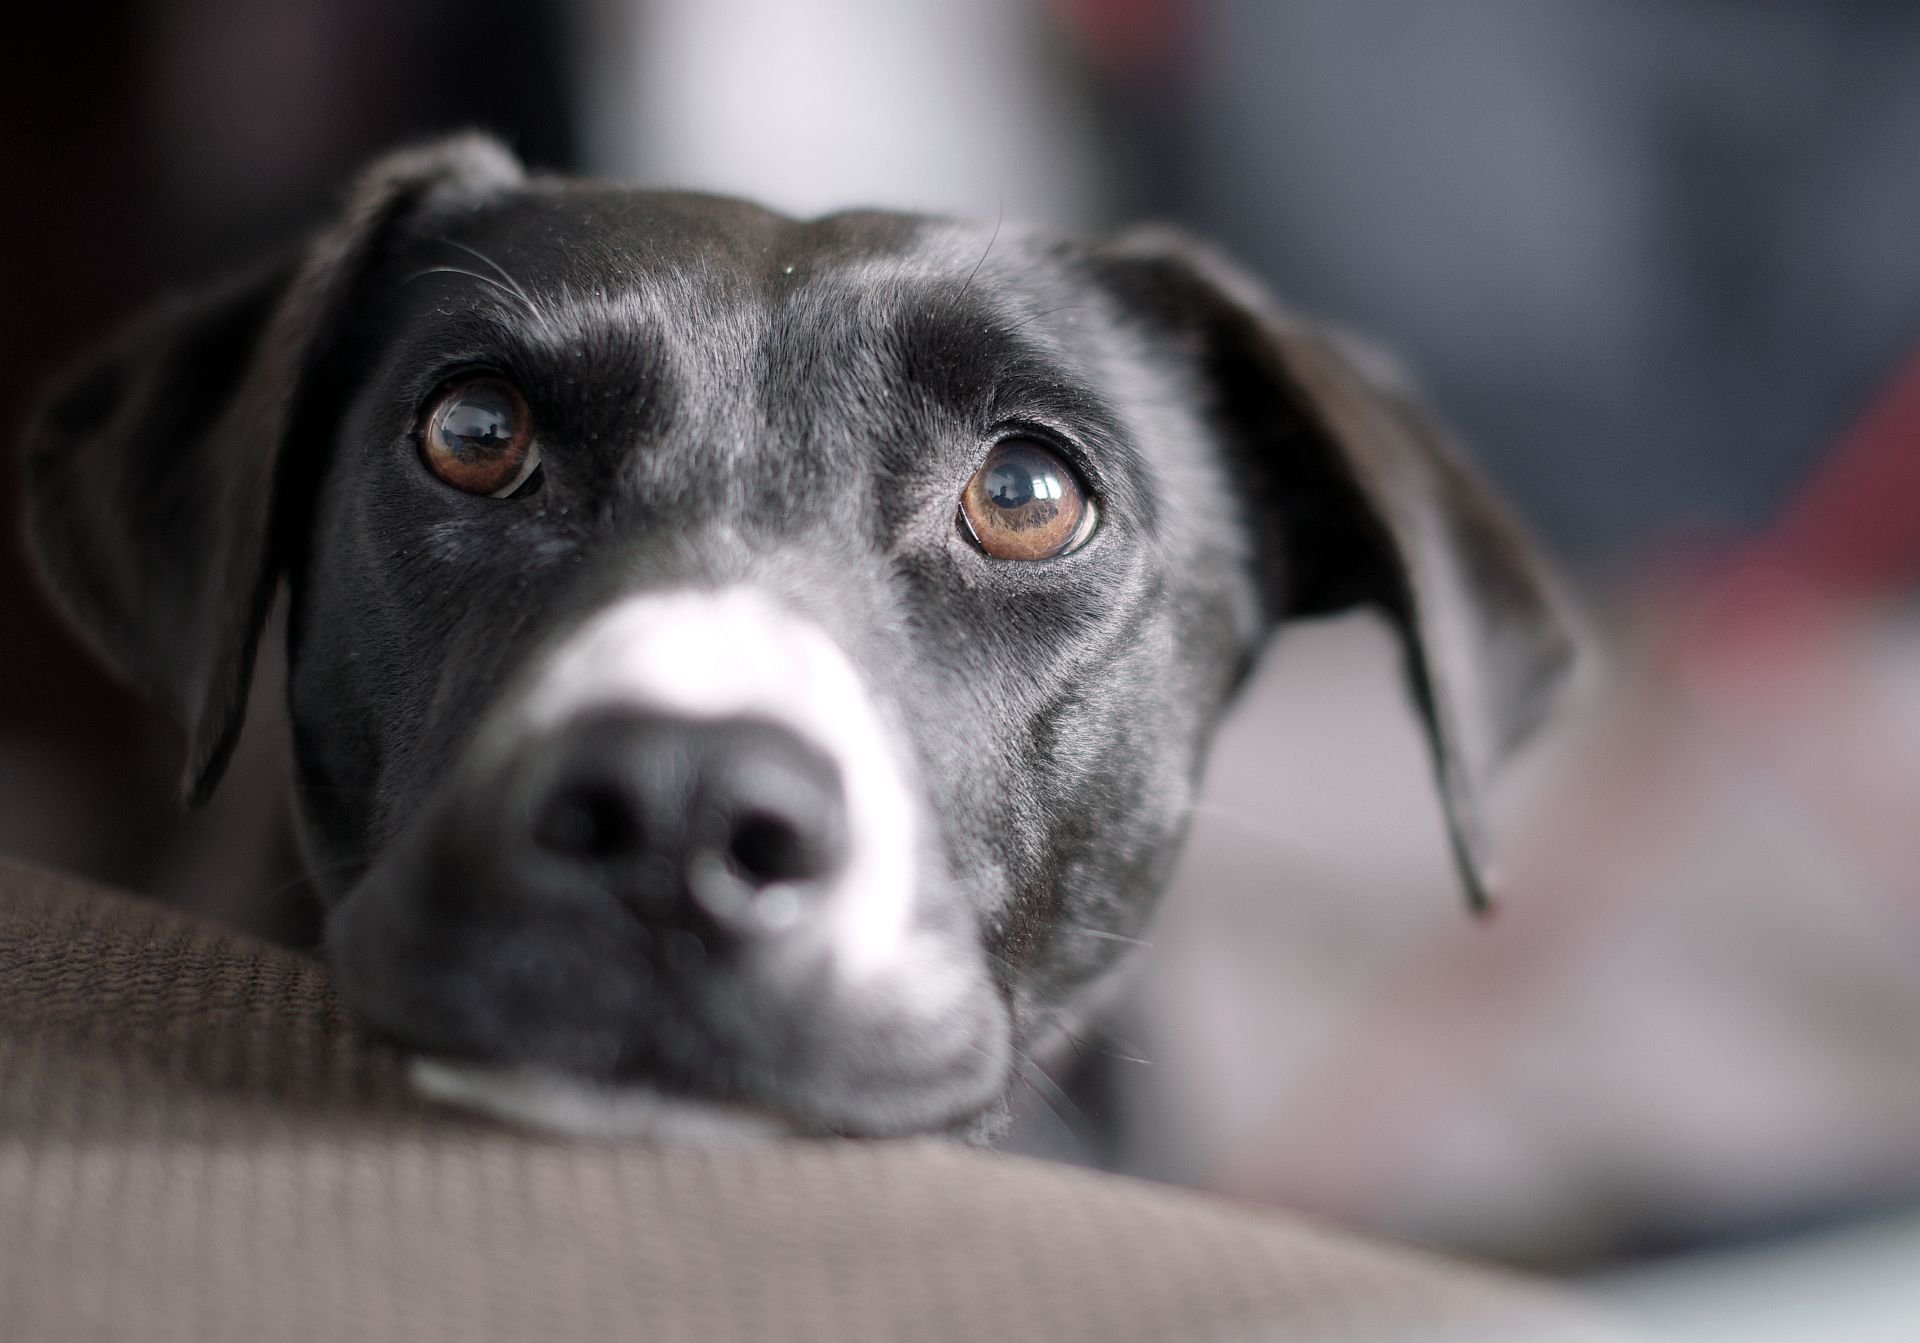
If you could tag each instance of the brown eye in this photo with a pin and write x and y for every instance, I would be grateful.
(1025, 503)
(477, 436)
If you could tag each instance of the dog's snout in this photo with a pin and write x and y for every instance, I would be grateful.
(729, 827)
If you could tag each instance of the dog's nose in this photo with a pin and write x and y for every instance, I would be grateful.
(729, 828)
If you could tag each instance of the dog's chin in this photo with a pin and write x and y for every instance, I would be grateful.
(578, 1107)
(558, 1103)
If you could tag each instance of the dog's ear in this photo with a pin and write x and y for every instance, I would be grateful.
(156, 503)
(1363, 500)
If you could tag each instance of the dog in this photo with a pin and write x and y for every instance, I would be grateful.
(746, 674)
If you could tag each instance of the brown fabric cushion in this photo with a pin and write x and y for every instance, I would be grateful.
(195, 1144)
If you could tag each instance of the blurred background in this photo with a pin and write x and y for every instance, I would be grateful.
(1657, 260)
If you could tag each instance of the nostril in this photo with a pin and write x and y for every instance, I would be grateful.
(765, 849)
(591, 820)
(727, 828)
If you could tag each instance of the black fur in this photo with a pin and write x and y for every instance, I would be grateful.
(725, 395)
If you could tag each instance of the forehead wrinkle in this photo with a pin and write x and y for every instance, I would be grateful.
(665, 325)
(595, 294)
(702, 332)
(547, 331)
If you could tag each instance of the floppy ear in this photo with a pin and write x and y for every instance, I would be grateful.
(1365, 501)
(155, 500)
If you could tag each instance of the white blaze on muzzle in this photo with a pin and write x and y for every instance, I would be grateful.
(735, 653)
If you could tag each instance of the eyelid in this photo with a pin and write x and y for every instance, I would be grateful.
(432, 383)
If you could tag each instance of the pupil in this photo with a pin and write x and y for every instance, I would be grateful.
(476, 423)
(1011, 485)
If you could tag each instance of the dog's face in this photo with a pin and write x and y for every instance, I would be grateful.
(744, 664)
(821, 703)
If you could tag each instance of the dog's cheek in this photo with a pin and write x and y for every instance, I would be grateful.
(1123, 761)
(1111, 773)
(381, 702)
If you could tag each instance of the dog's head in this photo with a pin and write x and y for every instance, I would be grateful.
(756, 662)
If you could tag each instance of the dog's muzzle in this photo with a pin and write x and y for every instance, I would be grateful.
(681, 865)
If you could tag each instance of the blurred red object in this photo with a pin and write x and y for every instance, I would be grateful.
(1128, 37)
(1855, 530)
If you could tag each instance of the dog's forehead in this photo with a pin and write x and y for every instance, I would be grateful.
(719, 252)
(750, 306)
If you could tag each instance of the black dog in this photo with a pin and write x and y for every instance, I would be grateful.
(749, 668)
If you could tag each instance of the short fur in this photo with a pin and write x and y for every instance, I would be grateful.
(728, 397)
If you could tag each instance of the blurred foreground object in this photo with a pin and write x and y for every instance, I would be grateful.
(195, 1145)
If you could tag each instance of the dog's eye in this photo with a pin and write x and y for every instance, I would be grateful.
(1026, 503)
(477, 435)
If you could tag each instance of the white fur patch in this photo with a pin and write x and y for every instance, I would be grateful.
(734, 652)
(584, 1109)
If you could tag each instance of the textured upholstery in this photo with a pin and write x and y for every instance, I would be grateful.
(195, 1144)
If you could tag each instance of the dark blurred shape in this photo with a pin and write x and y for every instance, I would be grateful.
(151, 145)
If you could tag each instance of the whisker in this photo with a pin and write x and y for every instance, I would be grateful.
(1064, 307)
(1077, 1123)
(998, 218)
(498, 269)
(1291, 848)
(1013, 971)
(1082, 1048)
(1016, 976)
(1052, 1110)
(1059, 1092)
(511, 293)
(1103, 934)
